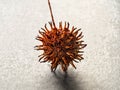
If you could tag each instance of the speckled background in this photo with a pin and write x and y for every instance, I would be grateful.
(20, 21)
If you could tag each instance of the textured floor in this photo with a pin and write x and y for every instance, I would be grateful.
(20, 21)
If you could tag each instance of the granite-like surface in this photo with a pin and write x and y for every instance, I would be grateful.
(20, 21)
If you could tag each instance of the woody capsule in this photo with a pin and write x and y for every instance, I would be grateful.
(61, 45)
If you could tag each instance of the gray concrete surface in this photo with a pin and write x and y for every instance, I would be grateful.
(20, 21)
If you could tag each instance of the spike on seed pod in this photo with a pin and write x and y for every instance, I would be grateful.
(61, 45)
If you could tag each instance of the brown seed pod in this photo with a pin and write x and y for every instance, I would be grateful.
(61, 45)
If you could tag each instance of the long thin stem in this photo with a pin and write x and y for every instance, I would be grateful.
(51, 13)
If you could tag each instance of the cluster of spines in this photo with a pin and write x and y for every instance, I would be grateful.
(72, 52)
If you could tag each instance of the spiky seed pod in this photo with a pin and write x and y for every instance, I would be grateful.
(60, 45)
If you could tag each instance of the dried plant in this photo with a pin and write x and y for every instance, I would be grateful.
(60, 44)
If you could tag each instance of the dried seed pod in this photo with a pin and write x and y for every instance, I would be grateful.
(61, 45)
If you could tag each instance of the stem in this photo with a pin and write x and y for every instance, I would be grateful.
(51, 13)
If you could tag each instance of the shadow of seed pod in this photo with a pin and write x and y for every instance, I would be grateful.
(61, 45)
